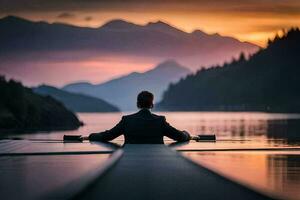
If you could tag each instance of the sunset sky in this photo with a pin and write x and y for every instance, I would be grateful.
(248, 20)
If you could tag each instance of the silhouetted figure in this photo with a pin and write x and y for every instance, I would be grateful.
(142, 127)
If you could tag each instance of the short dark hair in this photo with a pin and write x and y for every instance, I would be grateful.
(145, 100)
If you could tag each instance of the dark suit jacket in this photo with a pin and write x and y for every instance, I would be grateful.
(142, 127)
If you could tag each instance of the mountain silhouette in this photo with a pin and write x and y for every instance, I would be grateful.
(76, 102)
(119, 24)
(23, 110)
(122, 91)
(118, 37)
(268, 81)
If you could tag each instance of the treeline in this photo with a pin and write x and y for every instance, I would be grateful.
(21, 110)
(267, 81)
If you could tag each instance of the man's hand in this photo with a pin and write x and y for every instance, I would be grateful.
(190, 136)
(187, 133)
(194, 137)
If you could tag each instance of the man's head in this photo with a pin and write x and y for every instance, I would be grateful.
(145, 100)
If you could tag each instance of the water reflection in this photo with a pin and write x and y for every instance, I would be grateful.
(254, 129)
(288, 129)
(239, 130)
(227, 124)
(271, 172)
(231, 124)
(284, 174)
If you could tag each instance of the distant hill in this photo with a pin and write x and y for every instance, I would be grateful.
(117, 37)
(268, 81)
(76, 102)
(23, 110)
(122, 91)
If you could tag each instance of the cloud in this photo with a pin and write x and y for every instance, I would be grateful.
(66, 15)
(272, 27)
(281, 7)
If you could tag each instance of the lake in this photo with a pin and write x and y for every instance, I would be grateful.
(259, 150)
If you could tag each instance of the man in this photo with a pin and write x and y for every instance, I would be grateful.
(142, 127)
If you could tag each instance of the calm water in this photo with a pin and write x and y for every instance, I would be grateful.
(259, 150)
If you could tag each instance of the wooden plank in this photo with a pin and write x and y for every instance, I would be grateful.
(31, 170)
(33, 177)
(158, 172)
(70, 190)
(23, 147)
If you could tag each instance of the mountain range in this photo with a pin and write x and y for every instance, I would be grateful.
(268, 81)
(156, 40)
(122, 91)
(76, 102)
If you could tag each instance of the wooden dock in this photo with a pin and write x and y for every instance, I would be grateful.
(157, 172)
(133, 172)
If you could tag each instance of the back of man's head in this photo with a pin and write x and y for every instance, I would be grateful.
(145, 100)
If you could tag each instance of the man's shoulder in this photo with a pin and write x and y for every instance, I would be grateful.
(158, 116)
(137, 114)
(129, 116)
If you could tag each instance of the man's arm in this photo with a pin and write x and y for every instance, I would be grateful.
(173, 133)
(108, 134)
